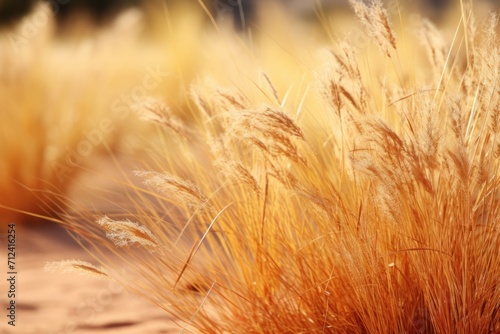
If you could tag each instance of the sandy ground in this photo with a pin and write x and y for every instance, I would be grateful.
(70, 303)
(51, 303)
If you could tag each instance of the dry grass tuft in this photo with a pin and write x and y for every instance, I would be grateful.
(372, 206)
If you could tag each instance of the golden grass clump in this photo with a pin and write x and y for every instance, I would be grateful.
(362, 198)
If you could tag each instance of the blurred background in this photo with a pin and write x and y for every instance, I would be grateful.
(100, 11)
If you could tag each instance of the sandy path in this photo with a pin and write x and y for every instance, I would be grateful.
(70, 303)
(49, 303)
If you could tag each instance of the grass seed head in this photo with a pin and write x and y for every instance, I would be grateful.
(75, 266)
(125, 233)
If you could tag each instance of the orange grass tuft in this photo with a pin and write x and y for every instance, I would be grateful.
(374, 204)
